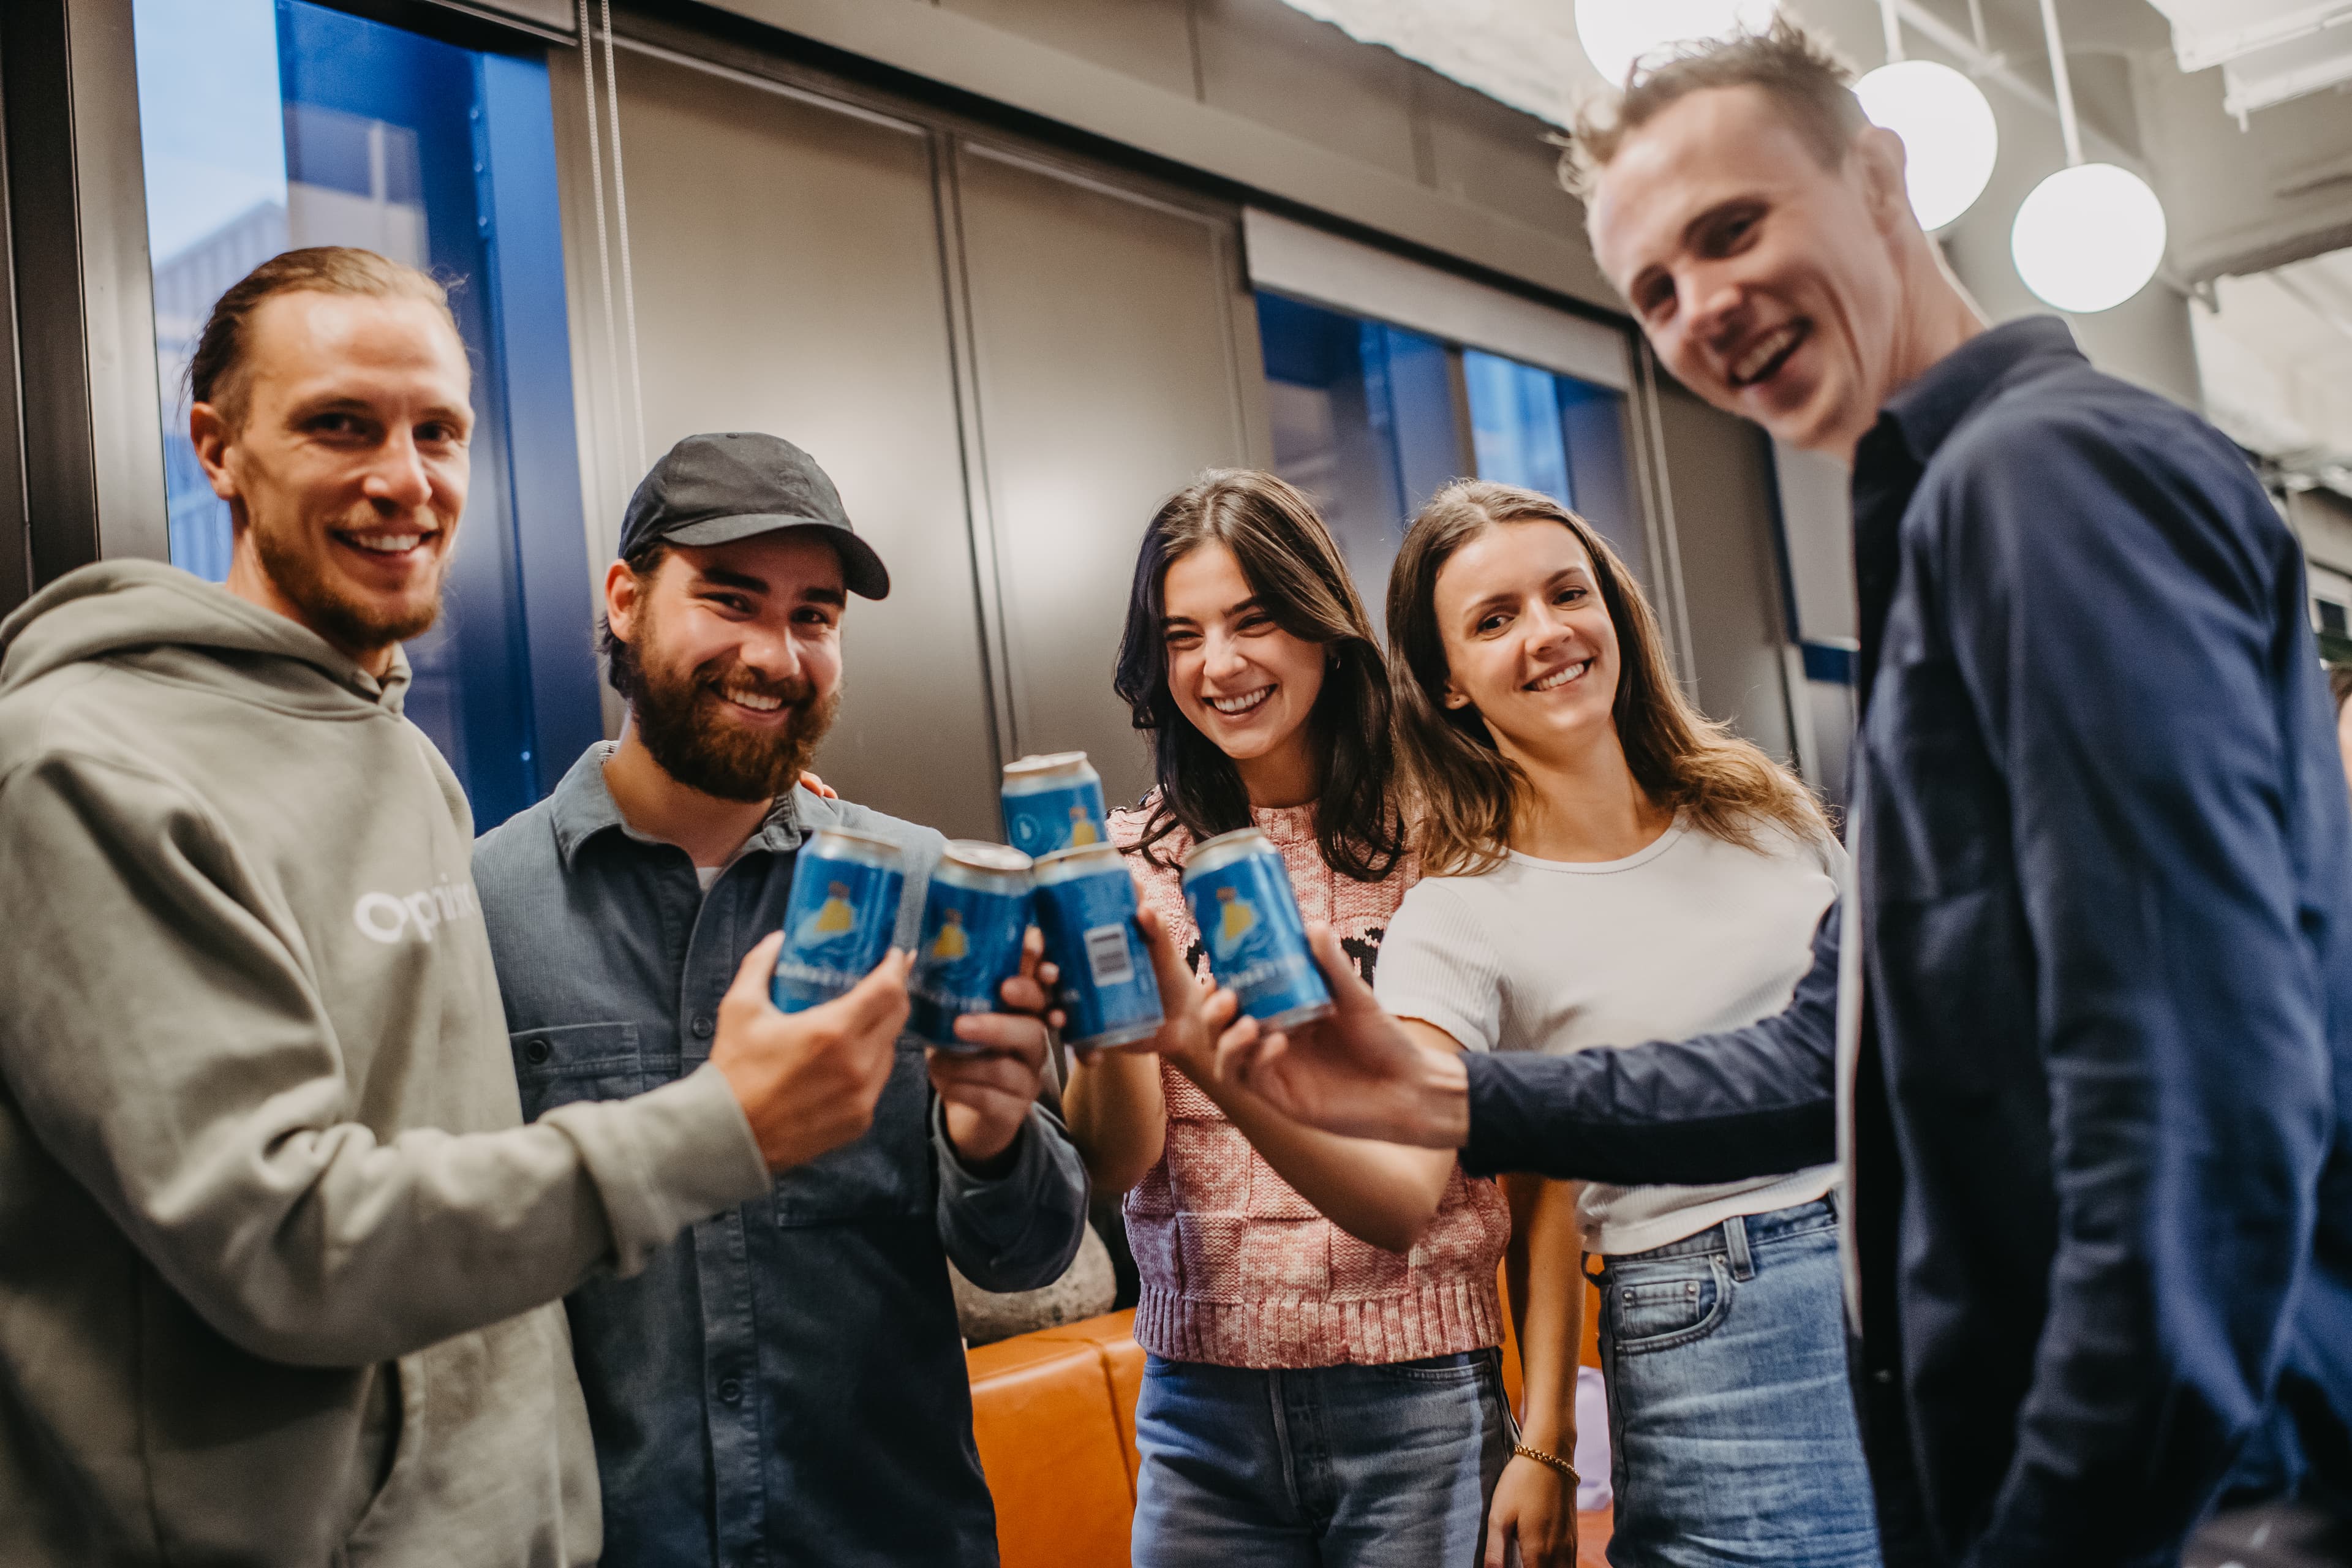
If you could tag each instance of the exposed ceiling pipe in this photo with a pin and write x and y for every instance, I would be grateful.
(2063, 82)
(1989, 67)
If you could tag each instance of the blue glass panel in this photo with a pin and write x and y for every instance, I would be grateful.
(1515, 425)
(1560, 436)
(1363, 422)
(271, 124)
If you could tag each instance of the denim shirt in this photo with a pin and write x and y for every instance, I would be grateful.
(785, 1385)
(2100, 975)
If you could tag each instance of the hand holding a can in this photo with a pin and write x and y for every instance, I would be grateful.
(1196, 1011)
(808, 1080)
(1353, 1071)
(987, 1087)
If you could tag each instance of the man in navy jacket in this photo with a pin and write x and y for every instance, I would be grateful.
(2086, 1043)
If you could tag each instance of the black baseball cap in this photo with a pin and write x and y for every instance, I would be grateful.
(717, 488)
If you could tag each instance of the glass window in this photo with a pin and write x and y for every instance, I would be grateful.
(1363, 422)
(1552, 433)
(1370, 419)
(274, 124)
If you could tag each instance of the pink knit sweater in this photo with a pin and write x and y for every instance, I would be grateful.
(1237, 1268)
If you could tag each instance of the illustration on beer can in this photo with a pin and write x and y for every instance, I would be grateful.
(1052, 802)
(975, 912)
(1086, 908)
(1240, 895)
(839, 920)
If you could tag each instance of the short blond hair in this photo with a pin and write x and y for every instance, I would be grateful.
(1807, 81)
(217, 371)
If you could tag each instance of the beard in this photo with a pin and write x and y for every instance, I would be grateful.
(680, 717)
(296, 562)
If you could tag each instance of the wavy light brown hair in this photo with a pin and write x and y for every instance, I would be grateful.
(1295, 568)
(1466, 793)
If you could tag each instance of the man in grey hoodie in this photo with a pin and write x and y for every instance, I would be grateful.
(277, 1255)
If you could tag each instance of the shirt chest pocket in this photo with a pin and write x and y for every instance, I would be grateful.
(885, 1175)
(569, 1063)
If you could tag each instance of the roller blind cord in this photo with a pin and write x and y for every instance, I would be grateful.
(627, 313)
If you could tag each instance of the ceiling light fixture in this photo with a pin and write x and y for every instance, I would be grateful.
(2091, 235)
(1950, 140)
(1617, 33)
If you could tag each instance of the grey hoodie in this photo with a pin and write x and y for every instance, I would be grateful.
(276, 1254)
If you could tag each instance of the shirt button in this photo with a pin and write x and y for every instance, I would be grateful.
(537, 1052)
(729, 1391)
(703, 1028)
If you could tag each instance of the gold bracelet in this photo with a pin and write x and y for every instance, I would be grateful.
(1525, 1452)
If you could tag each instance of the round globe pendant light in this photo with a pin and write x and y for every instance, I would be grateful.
(1616, 33)
(1950, 140)
(2091, 235)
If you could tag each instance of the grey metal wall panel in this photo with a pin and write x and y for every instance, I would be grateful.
(1817, 521)
(1108, 376)
(1150, 41)
(1278, 66)
(1495, 157)
(1722, 481)
(789, 279)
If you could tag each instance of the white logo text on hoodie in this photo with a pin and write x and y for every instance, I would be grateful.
(388, 916)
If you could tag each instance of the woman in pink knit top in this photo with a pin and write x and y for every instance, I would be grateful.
(1321, 1312)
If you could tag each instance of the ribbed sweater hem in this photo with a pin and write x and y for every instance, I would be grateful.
(1441, 1318)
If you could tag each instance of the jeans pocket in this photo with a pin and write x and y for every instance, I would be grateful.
(1658, 1308)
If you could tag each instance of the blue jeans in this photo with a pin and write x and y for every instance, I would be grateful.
(1332, 1466)
(1731, 1425)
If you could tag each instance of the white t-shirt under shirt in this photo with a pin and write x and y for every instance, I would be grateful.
(1686, 937)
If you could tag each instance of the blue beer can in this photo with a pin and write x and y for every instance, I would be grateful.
(1240, 895)
(1086, 908)
(1053, 803)
(838, 923)
(975, 912)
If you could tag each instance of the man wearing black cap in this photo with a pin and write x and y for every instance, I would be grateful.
(787, 1384)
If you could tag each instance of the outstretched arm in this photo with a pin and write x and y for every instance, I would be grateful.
(1746, 1102)
(1385, 1193)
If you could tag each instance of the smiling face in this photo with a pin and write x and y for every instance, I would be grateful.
(347, 473)
(1242, 681)
(737, 650)
(1528, 642)
(1771, 285)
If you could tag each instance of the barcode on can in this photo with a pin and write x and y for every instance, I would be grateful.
(1106, 955)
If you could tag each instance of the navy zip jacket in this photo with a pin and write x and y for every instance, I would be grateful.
(2099, 1110)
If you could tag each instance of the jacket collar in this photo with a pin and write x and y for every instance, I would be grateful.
(583, 806)
(1924, 414)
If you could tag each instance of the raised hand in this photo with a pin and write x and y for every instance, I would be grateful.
(808, 1081)
(987, 1091)
(1355, 1072)
(1193, 1010)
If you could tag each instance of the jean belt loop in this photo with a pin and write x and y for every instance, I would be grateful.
(1734, 1238)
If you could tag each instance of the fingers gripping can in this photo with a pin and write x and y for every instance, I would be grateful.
(975, 913)
(1086, 908)
(1241, 898)
(1053, 803)
(838, 923)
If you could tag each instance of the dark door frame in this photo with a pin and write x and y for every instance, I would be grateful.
(84, 301)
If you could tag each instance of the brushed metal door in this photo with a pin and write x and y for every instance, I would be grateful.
(1108, 371)
(789, 279)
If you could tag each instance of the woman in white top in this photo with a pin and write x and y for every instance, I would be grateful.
(1608, 866)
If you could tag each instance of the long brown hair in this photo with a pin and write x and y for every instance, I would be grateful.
(1295, 568)
(1466, 791)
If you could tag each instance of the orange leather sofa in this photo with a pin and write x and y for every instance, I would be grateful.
(1054, 1414)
